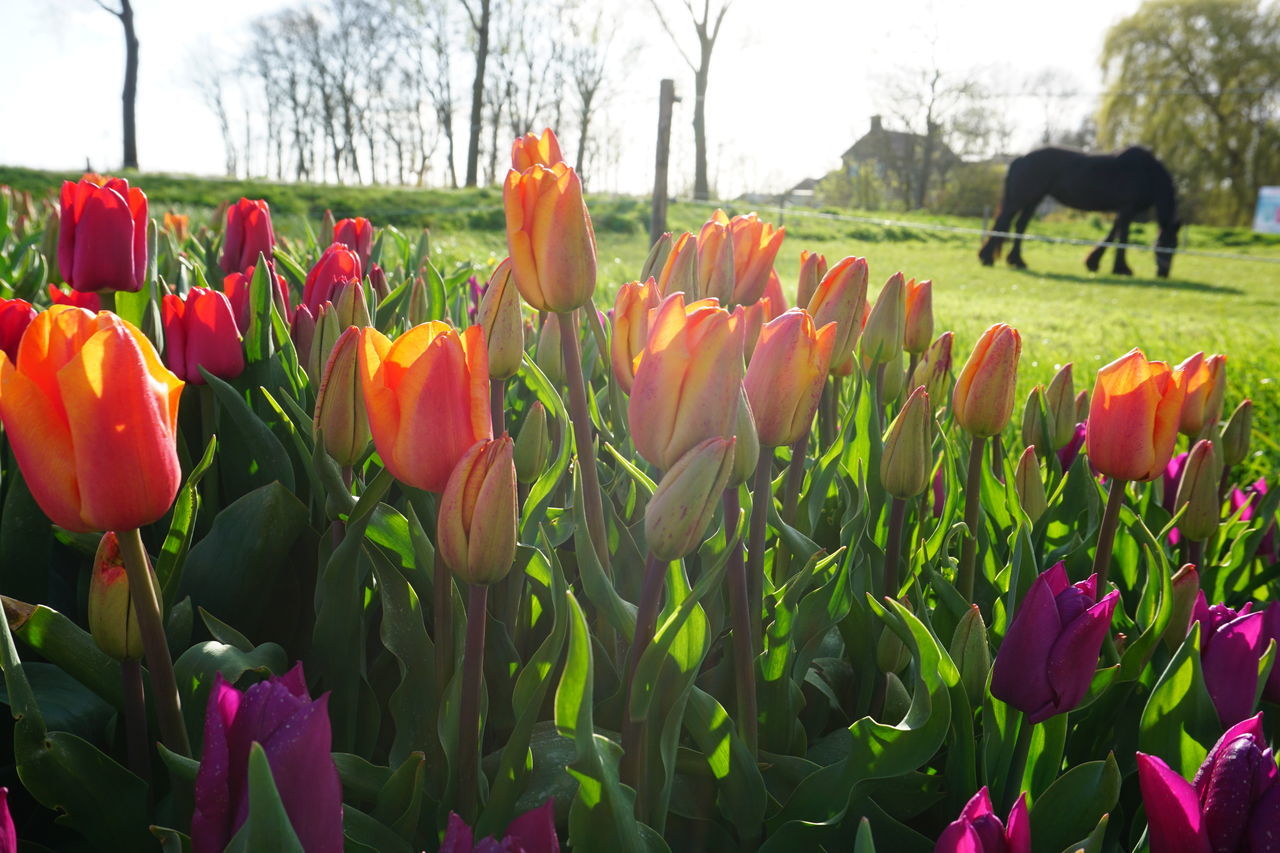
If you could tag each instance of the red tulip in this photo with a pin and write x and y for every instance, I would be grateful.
(201, 332)
(357, 235)
(102, 238)
(236, 286)
(336, 264)
(15, 316)
(248, 234)
(88, 301)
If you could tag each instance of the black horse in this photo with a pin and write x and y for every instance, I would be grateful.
(1127, 184)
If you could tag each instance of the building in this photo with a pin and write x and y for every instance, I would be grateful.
(907, 165)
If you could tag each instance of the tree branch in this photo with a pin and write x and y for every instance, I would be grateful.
(107, 8)
(675, 41)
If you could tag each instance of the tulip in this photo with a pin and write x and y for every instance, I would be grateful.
(532, 832)
(1204, 380)
(177, 224)
(200, 331)
(427, 395)
(1030, 486)
(983, 398)
(1233, 804)
(88, 301)
(755, 246)
(746, 453)
(1060, 407)
(340, 416)
(752, 318)
(549, 237)
(357, 235)
(102, 236)
(8, 834)
(530, 150)
(972, 654)
(907, 458)
(237, 287)
(499, 316)
(657, 258)
(378, 281)
(980, 830)
(840, 298)
(631, 312)
(715, 266)
(477, 522)
(676, 517)
(293, 730)
(1245, 501)
(113, 622)
(679, 272)
(1198, 492)
(777, 300)
(1271, 633)
(91, 413)
(1035, 426)
(1186, 589)
(302, 331)
(247, 235)
(474, 293)
(1231, 644)
(348, 308)
(813, 267)
(1133, 418)
(337, 263)
(327, 222)
(686, 386)
(15, 316)
(532, 445)
(882, 334)
(933, 371)
(1236, 434)
(1067, 454)
(918, 329)
(939, 489)
(548, 354)
(1050, 651)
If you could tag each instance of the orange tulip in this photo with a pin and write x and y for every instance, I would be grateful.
(753, 317)
(1133, 418)
(983, 398)
(755, 246)
(686, 386)
(549, 237)
(679, 272)
(773, 293)
(813, 267)
(531, 150)
(92, 415)
(631, 329)
(785, 378)
(1204, 380)
(918, 332)
(715, 262)
(840, 298)
(427, 396)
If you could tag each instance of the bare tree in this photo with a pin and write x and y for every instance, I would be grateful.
(130, 94)
(479, 17)
(210, 81)
(588, 60)
(707, 26)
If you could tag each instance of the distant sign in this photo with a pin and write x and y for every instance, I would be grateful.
(1266, 219)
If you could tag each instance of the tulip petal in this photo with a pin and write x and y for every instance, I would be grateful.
(104, 244)
(1018, 828)
(305, 775)
(1020, 674)
(1074, 657)
(211, 819)
(535, 830)
(959, 837)
(41, 440)
(457, 837)
(1173, 810)
(1263, 834)
(1231, 667)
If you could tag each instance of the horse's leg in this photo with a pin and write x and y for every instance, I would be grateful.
(1121, 229)
(991, 249)
(1094, 259)
(1015, 257)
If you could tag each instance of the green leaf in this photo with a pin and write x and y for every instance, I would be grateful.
(535, 504)
(404, 634)
(1074, 804)
(367, 833)
(257, 339)
(268, 826)
(62, 642)
(196, 667)
(260, 454)
(1179, 722)
(177, 541)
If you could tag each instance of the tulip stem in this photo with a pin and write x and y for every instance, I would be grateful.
(164, 687)
(744, 658)
(580, 414)
(878, 389)
(893, 546)
(633, 733)
(1018, 764)
(1107, 536)
(497, 405)
(135, 718)
(791, 503)
(442, 621)
(469, 706)
(972, 514)
(1195, 553)
(760, 498)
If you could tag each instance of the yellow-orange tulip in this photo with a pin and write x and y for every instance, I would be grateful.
(631, 329)
(549, 237)
(840, 298)
(715, 262)
(679, 273)
(1204, 380)
(476, 528)
(773, 293)
(499, 315)
(753, 317)
(983, 398)
(785, 378)
(92, 415)
(532, 150)
(918, 331)
(886, 322)
(340, 415)
(813, 267)
(755, 246)
(686, 387)
(427, 396)
(1133, 418)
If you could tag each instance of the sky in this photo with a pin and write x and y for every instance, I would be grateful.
(793, 82)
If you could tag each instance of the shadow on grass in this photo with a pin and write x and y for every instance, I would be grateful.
(1131, 281)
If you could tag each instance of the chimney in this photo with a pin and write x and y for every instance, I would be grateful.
(875, 124)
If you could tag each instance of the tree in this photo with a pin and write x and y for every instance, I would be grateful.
(707, 27)
(479, 18)
(130, 95)
(1198, 81)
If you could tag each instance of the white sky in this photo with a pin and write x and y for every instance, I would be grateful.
(793, 82)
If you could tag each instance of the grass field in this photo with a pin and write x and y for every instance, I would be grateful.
(1064, 312)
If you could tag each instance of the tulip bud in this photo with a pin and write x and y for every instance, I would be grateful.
(378, 281)
(785, 378)
(1060, 408)
(340, 416)
(356, 234)
(934, 370)
(918, 330)
(112, 620)
(882, 337)
(1082, 407)
(419, 302)
(631, 329)
(1034, 427)
(746, 453)
(983, 399)
(532, 445)
(892, 655)
(200, 331)
(530, 150)
(657, 258)
(1235, 435)
(327, 222)
(907, 457)
(840, 298)
(499, 315)
(897, 700)
(676, 518)
(680, 269)
(895, 380)
(813, 267)
(715, 262)
(302, 329)
(1030, 485)
(755, 246)
(1186, 588)
(549, 357)
(348, 308)
(972, 654)
(549, 237)
(1203, 381)
(477, 522)
(1198, 492)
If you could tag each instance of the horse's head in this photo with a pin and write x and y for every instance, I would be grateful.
(1166, 243)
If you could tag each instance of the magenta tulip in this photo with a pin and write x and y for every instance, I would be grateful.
(294, 732)
(980, 830)
(1248, 499)
(1232, 805)
(248, 234)
(1067, 453)
(1050, 652)
(532, 832)
(102, 238)
(8, 835)
(1231, 644)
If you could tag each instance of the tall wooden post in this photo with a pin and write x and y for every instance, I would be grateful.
(666, 99)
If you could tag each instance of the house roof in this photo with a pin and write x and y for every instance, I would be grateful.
(879, 143)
